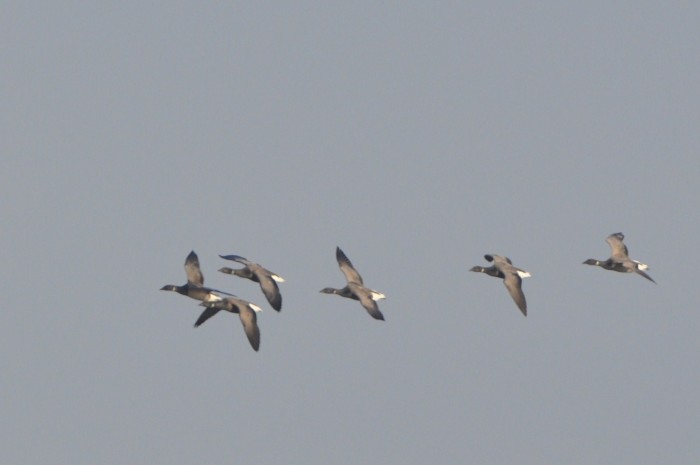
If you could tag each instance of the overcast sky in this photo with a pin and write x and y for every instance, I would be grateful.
(416, 136)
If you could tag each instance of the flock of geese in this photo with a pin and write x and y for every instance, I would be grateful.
(214, 300)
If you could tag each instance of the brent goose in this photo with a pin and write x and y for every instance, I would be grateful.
(355, 289)
(512, 277)
(246, 312)
(619, 258)
(195, 283)
(258, 274)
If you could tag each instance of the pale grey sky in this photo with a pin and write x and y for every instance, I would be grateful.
(417, 137)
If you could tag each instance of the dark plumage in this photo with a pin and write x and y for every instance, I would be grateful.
(258, 274)
(195, 282)
(355, 288)
(512, 277)
(619, 258)
(245, 310)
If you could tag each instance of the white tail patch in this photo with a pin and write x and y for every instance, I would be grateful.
(524, 274)
(377, 295)
(255, 307)
(277, 278)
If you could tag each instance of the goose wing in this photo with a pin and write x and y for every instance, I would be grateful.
(206, 314)
(267, 285)
(497, 260)
(512, 281)
(194, 273)
(351, 274)
(236, 258)
(271, 290)
(371, 307)
(617, 248)
(250, 325)
(364, 295)
(640, 272)
(514, 285)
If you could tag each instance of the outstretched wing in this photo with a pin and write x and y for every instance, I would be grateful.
(513, 284)
(271, 291)
(250, 326)
(206, 314)
(364, 295)
(194, 273)
(371, 307)
(351, 274)
(236, 258)
(640, 272)
(618, 250)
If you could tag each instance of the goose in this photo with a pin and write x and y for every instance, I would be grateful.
(355, 289)
(258, 274)
(512, 277)
(619, 258)
(195, 283)
(246, 312)
(492, 271)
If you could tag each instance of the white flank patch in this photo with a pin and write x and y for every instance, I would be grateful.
(279, 279)
(640, 265)
(377, 295)
(255, 307)
(213, 298)
(524, 274)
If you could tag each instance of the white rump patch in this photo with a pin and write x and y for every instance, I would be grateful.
(524, 274)
(255, 307)
(277, 278)
(377, 295)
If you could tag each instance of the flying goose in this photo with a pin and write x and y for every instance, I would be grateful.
(195, 283)
(355, 289)
(512, 277)
(619, 258)
(258, 274)
(246, 312)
